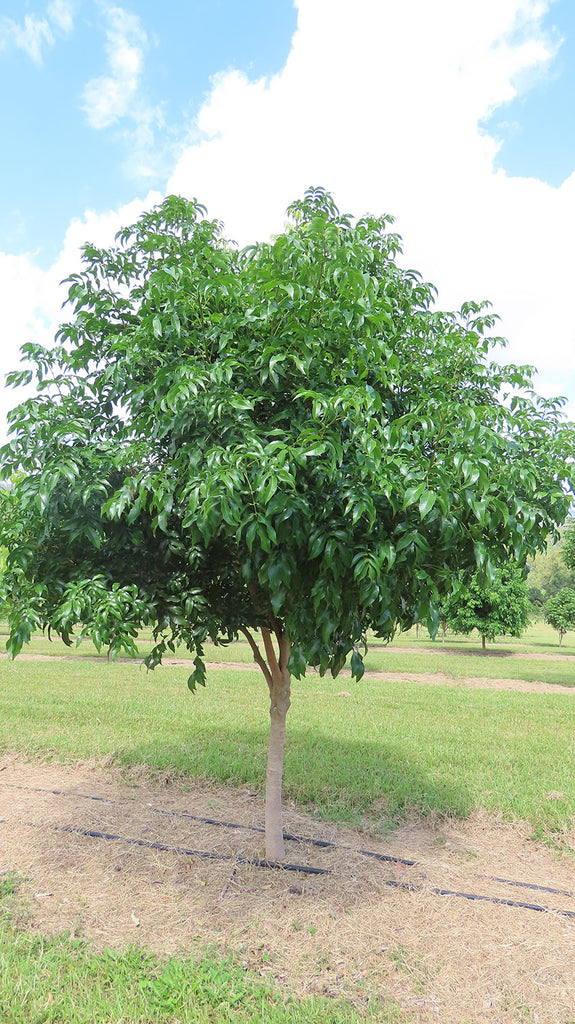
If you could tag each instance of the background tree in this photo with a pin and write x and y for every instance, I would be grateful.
(286, 443)
(568, 543)
(552, 569)
(494, 607)
(3, 562)
(560, 612)
(443, 613)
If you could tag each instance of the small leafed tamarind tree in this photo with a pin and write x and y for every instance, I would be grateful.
(286, 442)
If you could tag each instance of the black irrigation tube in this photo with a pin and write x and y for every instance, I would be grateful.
(528, 885)
(323, 843)
(207, 855)
(408, 887)
(304, 869)
(404, 886)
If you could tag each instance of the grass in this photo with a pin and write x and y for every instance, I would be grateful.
(458, 656)
(369, 751)
(383, 750)
(57, 979)
(61, 979)
(502, 665)
(49, 980)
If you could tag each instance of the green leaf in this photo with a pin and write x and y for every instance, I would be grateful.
(297, 662)
(356, 665)
(426, 503)
(412, 495)
(198, 676)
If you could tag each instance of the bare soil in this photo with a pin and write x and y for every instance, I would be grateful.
(350, 932)
(425, 678)
(472, 682)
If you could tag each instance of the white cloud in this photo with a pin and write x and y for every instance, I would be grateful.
(382, 103)
(30, 37)
(61, 13)
(31, 299)
(110, 97)
(37, 33)
(117, 98)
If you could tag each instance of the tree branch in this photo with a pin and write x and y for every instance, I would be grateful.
(257, 654)
(270, 651)
(285, 647)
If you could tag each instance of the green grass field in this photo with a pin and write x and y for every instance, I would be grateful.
(367, 752)
(459, 656)
(395, 746)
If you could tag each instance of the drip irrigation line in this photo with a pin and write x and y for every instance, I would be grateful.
(385, 857)
(322, 843)
(504, 903)
(206, 854)
(529, 885)
(304, 869)
(409, 887)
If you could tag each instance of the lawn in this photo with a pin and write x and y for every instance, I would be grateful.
(372, 749)
(364, 753)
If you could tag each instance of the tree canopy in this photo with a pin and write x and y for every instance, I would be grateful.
(287, 439)
(568, 544)
(559, 611)
(552, 569)
(494, 607)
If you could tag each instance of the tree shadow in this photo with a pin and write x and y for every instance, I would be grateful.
(339, 781)
(478, 652)
(437, 647)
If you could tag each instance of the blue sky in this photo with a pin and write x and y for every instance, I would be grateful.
(456, 117)
(63, 159)
(537, 129)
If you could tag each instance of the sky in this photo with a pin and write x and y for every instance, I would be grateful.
(456, 117)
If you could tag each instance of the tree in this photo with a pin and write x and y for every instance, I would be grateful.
(560, 612)
(286, 441)
(552, 569)
(568, 543)
(494, 607)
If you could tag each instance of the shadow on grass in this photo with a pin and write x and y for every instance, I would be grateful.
(431, 647)
(478, 652)
(337, 781)
(554, 648)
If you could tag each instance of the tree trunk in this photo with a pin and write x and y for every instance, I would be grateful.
(279, 706)
(275, 669)
(561, 635)
(483, 647)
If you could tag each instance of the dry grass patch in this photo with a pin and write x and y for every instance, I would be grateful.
(346, 933)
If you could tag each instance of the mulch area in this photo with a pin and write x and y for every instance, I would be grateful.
(365, 927)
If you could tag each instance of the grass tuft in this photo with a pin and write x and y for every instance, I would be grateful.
(61, 979)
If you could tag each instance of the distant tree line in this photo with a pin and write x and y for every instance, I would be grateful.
(503, 604)
(552, 570)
